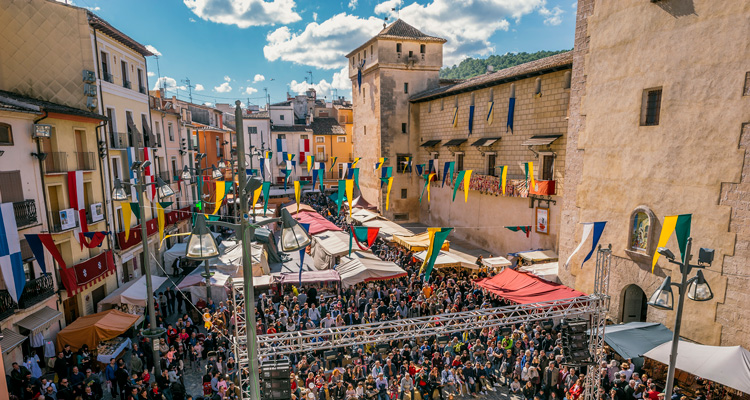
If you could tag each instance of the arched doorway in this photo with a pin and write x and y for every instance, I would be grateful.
(634, 307)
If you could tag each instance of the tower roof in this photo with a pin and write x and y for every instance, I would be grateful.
(401, 30)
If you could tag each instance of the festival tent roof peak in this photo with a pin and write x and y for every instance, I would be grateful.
(417, 242)
(318, 223)
(366, 267)
(525, 288)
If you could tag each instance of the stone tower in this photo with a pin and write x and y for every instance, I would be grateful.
(385, 71)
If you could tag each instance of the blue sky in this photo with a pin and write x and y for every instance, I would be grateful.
(234, 49)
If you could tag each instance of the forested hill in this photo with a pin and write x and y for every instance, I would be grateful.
(472, 67)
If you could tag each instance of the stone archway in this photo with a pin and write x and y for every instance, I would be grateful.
(633, 307)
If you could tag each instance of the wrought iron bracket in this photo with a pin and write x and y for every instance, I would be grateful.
(546, 199)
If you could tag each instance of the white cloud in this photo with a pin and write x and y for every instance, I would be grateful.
(353, 4)
(227, 78)
(223, 88)
(340, 82)
(258, 78)
(245, 13)
(151, 74)
(321, 45)
(552, 17)
(315, 16)
(199, 87)
(208, 103)
(168, 83)
(93, 8)
(467, 25)
(192, 20)
(250, 90)
(153, 50)
(574, 5)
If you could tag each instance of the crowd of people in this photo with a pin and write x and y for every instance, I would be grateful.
(525, 360)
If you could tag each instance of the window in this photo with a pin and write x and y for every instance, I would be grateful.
(174, 167)
(422, 48)
(281, 136)
(650, 107)
(341, 139)
(320, 139)
(406, 87)
(548, 166)
(401, 163)
(472, 99)
(403, 193)
(459, 162)
(116, 168)
(111, 122)
(398, 47)
(372, 51)
(411, 54)
(6, 135)
(252, 130)
(442, 104)
(303, 136)
(538, 87)
(429, 107)
(746, 92)
(566, 80)
(125, 81)
(341, 171)
(141, 86)
(365, 56)
(492, 94)
(157, 128)
(170, 131)
(106, 74)
(281, 117)
(491, 162)
(218, 147)
(11, 186)
(365, 129)
(342, 119)
(403, 127)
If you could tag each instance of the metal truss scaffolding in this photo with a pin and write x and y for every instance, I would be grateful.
(592, 307)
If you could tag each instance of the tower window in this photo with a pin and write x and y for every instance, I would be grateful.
(422, 48)
(651, 107)
(406, 87)
(403, 127)
(398, 47)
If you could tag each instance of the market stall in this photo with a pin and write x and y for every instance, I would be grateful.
(292, 208)
(95, 328)
(362, 215)
(417, 242)
(546, 271)
(536, 257)
(366, 267)
(699, 366)
(112, 348)
(447, 260)
(327, 246)
(317, 222)
(525, 288)
(496, 262)
(631, 340)
(131, 297)
(326, 282)
(196, 285)
(387, 228)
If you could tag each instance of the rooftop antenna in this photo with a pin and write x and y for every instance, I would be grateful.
(311, 77)
(186, 81)
(385, 22)
(158, 72)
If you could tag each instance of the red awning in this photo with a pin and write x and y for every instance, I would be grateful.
(317, 222)
(525, 288)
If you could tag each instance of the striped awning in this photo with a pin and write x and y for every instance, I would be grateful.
(540, 140)
(10, 340)
(488, 141)
(40, 320)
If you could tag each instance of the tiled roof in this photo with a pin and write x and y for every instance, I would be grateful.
(22, 101)
(522, 71)
(257, 115)
(110, 30)
(402, 30)
(290, 128)
(327, 126)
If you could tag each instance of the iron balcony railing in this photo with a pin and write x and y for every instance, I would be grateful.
(25, 213)
(7, 305)
(166, 176)
(37, 290)
(57, 225)
(142, 89)
(108, 77)
(56, 161)
(126, 84)
(86, 160)
(119, 140)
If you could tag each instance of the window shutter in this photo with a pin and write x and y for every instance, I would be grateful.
(11, 189)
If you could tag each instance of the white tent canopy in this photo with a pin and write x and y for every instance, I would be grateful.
(546, 271)
(195, 284)
(366, 267)
(328, 245)
(727, 365)
(133, 293)
(446, 259)
(496, 262)
(388, 228)
(361, 215)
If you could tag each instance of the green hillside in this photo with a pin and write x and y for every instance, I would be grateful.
(472, 67)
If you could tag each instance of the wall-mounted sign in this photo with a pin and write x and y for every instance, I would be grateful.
(67, 219)
(542, 220)
(97, 212)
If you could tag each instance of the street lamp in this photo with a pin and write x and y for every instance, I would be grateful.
(696, 289)
(162, 191)
(215, 173)
(201, 243)
(222, 164)
(293, 235)
(186, 175)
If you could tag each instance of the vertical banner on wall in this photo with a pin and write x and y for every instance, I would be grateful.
(11, 263)
(490, 114)
(511, 112)
(471, 118)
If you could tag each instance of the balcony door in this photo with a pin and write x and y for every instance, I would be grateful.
(80, 154)
(70, 307)
(11, 189)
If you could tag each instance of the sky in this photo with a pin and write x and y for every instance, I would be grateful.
(234, 49)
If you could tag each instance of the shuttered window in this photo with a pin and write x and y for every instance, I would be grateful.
(6, 134)
(11, 189)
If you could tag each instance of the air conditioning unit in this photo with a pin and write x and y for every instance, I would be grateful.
(88, 76)
(91, 103)
(89, 90)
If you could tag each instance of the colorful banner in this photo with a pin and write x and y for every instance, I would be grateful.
(304, 152)
(490, 114)
(471, 118)
(320, 178)
(455, 117)
(350, 194)
(407, 164)
(132, 157)
(92, 239)
(333, 163)
(420, 169)
(462, 176)
(588, 227)
(297, 193)
(355, 162)
(11, 263)
(680, 225)
(149, 174)
(220, 191)
(503, 177)
(511, 111)
(524, 229)
(448, 172)
(286, 172)
(256, 196)
(380, 163)
(355, 175)
(428, 180)
(281, 150)
(362, 234)
(266, 190)
(77, 202)
(160, 206)
(528, 169)
(386, 173)
(388, 192)
(126, 212)
(44, 239)
(437, 238)
(340, 198)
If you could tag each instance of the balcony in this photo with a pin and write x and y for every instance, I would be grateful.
(142, 89)
(166, 176)
(25, 213)
(108, 77)
(36, 290)
(126, 84)
(56, 162)
(86, 160)
(56, 225)
(119, 140)
(7, 305)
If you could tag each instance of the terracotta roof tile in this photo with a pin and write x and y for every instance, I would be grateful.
(327, 126)
(401, 30)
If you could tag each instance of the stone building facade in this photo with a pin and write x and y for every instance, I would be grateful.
(657, 131)
(411, 112)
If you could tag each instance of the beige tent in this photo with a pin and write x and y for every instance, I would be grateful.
(417, 242)
(132, 293)
(95, 328)
(366, 267)
(496, 262)
(328, 245)
(387, 228)
(448, 260)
